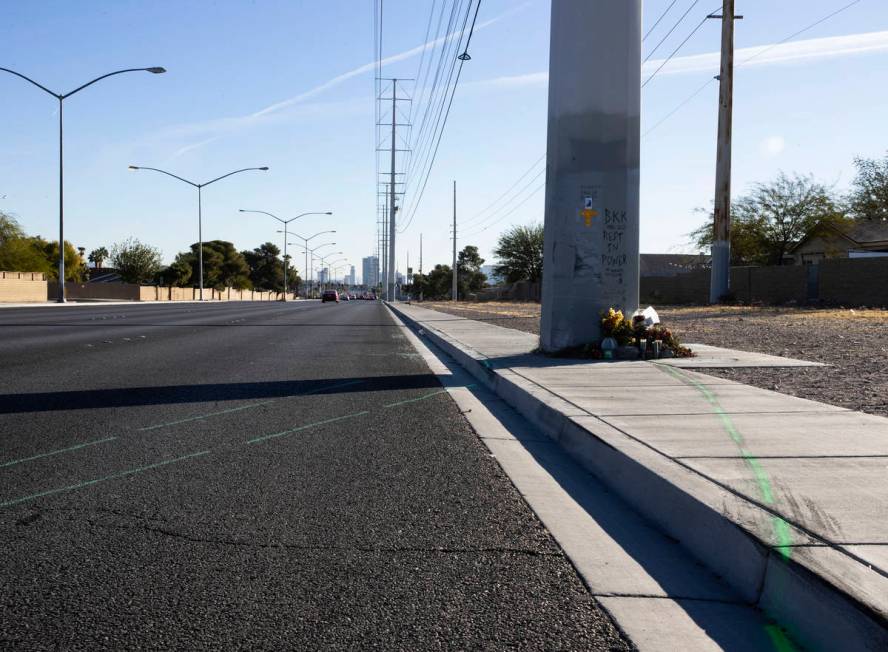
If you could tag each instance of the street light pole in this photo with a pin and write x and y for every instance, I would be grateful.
(61, 98)
(307, 250)
(323, 260)
(285, 223)
(199, 187)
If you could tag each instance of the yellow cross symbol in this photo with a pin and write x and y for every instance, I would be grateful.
(588, 214)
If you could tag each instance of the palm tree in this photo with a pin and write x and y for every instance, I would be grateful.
(98, 256)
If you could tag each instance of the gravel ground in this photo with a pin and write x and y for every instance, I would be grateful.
(853, 342)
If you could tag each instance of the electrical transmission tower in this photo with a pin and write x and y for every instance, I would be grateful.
(392, 152)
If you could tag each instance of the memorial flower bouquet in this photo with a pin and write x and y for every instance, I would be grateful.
(641, 328)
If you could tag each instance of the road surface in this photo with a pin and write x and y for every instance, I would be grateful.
(258, 476)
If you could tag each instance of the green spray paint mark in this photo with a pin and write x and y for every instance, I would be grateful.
(205, 416)
(414, 400)
(56, 452)
(329, 387)
(781, 529)
(779, 639)
(782, 532)
(89, 483)
(247, 407)
(284, 433)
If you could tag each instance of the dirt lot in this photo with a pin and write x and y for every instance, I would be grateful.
(853, 342)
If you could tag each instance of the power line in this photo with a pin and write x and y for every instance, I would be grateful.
(494, 216)
(675, 51)
(662, 16)
(524, 201)
(690, 97)
(669, 33)
(438, 101)
(496, 201)
(800, 32)
(462, 59)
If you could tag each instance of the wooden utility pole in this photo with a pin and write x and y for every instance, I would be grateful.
(420, 267)
(455, 287)
(720, 282)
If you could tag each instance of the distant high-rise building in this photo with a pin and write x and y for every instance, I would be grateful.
(370, 276)
(324, 275)
(350, 279)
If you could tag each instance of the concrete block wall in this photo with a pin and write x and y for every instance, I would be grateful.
(22, 287)
(851, 282)
(105, 291)
(854, 282)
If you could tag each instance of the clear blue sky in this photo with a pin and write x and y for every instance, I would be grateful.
(233, 97)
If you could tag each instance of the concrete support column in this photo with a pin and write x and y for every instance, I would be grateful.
(590, 259)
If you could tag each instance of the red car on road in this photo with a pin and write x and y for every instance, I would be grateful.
(330, 295)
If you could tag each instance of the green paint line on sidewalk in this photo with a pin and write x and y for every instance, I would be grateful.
(57, 452)
(782, 531)
(205, 416)
(113, 476)
(284, 433)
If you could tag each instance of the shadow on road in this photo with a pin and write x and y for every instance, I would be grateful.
(89, 399)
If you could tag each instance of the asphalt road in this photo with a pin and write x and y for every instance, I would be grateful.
(258, 476)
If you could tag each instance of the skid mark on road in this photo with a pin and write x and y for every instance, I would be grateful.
(56, 452)
(113, 476)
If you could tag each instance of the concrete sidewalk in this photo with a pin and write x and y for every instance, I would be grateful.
(784, 498)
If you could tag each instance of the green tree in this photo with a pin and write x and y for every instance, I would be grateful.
(75, 268)
(135, 261)
(868, 199)
(224, 266)
(437, 283)
(10, 229)
(22, 253)
(769, 220)
(98, 256)
(178, 274)
(520, 254)
(266, 268)
(469, 277)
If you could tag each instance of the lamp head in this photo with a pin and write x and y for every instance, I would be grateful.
(328, 213)
(133, 167)
(156, 70)
(264, 168)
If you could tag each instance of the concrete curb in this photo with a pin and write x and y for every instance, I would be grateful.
(815, 611)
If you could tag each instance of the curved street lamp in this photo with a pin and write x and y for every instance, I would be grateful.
(306, 241)
(285, 223)
(199, 187)
(310, 271)
(324, 262)
(332, 266)
(61, 97)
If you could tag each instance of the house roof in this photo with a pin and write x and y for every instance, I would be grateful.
(672, 264)
(867, 231)
(862, 233)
